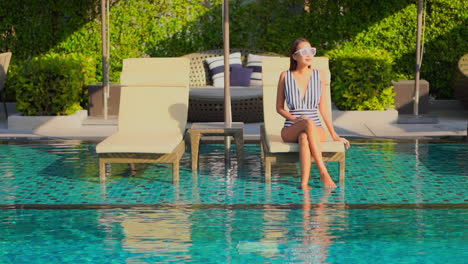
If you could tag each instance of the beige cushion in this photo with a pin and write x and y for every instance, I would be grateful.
(274, 122)
(155, 71)
(277, 145)
(142, 142)
(154, 109)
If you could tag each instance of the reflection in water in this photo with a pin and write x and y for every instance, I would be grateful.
(161, 231)
(298, 236)
(161, 234)
(315, 238)
(253, 234)
(321, 234)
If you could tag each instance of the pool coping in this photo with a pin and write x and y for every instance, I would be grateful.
(342, 206)
(219, 140)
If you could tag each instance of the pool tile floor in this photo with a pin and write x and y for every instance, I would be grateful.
(66, 173)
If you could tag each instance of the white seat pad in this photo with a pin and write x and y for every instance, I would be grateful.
(119, 142)
(276, 144)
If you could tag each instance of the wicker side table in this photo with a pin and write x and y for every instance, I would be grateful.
(197, 130)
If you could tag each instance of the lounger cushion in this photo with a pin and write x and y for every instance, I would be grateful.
(240, 76)
(276, 145)
(216, 65)
(139, 143)
(166, 72)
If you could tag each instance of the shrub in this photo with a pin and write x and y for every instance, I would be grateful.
(361, 78)
(445, 38)
(160, 28)
(52, 84)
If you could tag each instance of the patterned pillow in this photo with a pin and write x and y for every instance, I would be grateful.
(255, 62)
(216, 65)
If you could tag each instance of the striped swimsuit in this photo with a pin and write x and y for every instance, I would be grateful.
(308, 106)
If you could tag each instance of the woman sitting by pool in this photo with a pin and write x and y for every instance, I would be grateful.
(301, 88)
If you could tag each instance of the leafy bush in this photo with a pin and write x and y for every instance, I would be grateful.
(445, 38)
(151, 28)
(52, 84)
(361, 78)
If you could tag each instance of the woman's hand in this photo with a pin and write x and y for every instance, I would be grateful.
(344, 140)
(297, 119)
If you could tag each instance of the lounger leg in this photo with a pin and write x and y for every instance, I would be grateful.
(195, 148)
(175, 171)
(267, 170)
(132, 168)
(239, 139)
(262, 152)
(342, 170)
(102, 170)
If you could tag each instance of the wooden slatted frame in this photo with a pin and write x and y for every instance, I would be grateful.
(270, 158)
(170, 158)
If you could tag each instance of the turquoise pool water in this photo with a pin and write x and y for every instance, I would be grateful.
(401, 203)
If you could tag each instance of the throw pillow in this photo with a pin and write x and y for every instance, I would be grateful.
(240, 76)
(216, 65)
(255, 63)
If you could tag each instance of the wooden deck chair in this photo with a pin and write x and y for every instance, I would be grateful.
(152, 115)
(273, 148)
(4, 63)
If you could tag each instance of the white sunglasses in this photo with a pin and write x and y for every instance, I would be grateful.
(307, 52)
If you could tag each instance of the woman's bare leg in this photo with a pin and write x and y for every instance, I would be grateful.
(304, 158)
(291, 134)
(316, 149)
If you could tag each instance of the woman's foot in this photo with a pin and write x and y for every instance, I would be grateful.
(306, 187)
(327, 180)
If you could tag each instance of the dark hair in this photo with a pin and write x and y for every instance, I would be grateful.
(292, 50)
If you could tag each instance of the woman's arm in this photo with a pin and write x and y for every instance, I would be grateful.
(280, 97)
(324, 108)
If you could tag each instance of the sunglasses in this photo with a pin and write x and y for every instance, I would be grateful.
(306, 52)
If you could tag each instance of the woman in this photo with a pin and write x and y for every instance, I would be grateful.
(301, 88)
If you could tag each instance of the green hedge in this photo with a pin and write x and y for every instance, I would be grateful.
(52, 84)
(361, 78)
(445, 37)
(172, 28)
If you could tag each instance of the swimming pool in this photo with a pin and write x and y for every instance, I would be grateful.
(402, 202)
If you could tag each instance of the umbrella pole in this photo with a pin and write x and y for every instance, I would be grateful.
(105, 69)
(418, 59)
(227, 91)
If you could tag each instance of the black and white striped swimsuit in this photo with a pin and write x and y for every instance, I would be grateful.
(303, 107)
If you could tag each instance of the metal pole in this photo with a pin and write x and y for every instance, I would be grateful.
(418, 59)
(227, 91)
(108, 44)
(105, 73)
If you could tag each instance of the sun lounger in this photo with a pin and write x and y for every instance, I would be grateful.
(4, 63)
(152, 114)
(273, 148)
